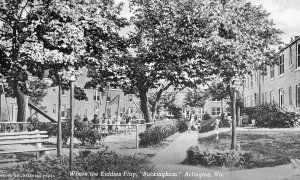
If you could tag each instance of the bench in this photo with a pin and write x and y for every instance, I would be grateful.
(33, 137)
(296, 163)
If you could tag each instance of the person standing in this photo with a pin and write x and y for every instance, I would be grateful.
(95, 121)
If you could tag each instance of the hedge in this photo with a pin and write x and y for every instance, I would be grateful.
(86, 162)
(270, 116)
(158, 132)
(227, 158)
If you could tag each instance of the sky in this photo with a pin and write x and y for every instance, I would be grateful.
(285, 14)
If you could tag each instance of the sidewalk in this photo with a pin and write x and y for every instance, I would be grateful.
(168, 162)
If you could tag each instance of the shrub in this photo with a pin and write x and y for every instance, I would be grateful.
(270, 116)
(86, 134)
(86, 161)
(158, 132)
(182, 125)
(227, 158)
(206, 116)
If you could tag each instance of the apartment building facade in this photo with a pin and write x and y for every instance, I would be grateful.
(111, 103)
(280, 85)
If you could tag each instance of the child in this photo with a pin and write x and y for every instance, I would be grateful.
(216, 124)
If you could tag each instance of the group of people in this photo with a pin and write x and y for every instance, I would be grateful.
(108, 123)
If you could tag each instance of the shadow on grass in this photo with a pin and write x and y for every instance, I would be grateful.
(267, 149)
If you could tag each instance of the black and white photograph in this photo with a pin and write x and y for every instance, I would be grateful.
(150, 89)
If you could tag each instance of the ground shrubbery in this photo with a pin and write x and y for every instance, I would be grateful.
(227, 158)
(86, 161)
(206, 116)
(158, 132)
(270, 116)
(85, 133)
(182, 125)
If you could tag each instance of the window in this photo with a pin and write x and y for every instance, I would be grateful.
(108, 97)
(54, 109)
(266, 99)
(272, 73)
(290, 96)
(290, 56)
(281, 64)
(85, 113)
(298, 96)
(298, 55)
(251, 101)
(215, 111)
(108, 113)
(262, 98)
(255, 99)
(262, 78)
(281, 96)
(272, 100)
(130, 97)
(96, 96)
(63, 111)
(79, 112)
(215, 99)
(255, 78)
(251, 82)
(63, 92)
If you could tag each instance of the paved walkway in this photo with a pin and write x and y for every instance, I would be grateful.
(167, 162)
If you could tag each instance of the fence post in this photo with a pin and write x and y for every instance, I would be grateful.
(136, 136)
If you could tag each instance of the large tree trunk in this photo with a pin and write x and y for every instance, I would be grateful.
(59, 129)
(22, 102)
(157, 100)
(233, 112)
(144, 105)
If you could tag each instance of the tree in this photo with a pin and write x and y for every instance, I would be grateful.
(167, 100)
(67, 36)
(243, 38)
(219, 90)
(195, 97)
(13, 34)
(163, 51)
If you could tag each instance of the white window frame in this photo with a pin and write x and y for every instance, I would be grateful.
(290, 56)
(298, 56)
(281, 98)
(272, 71)
(215, 111)
(281, 65)
(298, 96)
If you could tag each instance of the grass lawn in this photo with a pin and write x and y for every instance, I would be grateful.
(268, 148)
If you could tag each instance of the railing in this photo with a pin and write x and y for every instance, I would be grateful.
(117, 129)
(11, 127)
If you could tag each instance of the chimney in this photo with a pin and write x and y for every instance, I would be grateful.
(293, 38)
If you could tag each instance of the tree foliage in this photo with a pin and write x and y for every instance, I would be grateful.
(13, 34)
(195, 97)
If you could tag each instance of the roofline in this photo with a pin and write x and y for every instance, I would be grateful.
(291, 43)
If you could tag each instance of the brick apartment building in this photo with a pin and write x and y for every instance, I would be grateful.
(281, 84)
(112, 103)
